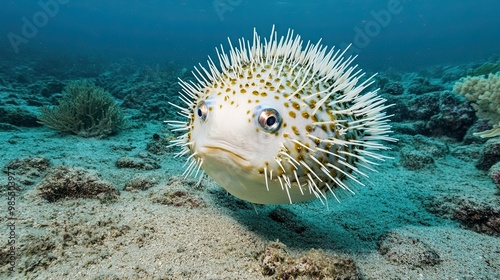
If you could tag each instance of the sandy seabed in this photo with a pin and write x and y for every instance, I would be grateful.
(428, 213)
(208, 234)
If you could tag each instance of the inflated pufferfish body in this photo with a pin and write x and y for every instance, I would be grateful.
(279, 122)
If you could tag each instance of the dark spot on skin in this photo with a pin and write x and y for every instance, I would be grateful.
(312, 104)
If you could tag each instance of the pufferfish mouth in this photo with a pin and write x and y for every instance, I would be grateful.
(216, 151)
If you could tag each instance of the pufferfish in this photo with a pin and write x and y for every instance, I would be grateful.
(279, 122)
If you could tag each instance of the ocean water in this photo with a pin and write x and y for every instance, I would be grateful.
(404, 34)
(113, 204)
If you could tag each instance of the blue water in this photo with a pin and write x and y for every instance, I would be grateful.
(404, 34)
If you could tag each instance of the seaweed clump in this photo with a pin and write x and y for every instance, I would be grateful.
(315, 264)
(73, 183)
(85, 110)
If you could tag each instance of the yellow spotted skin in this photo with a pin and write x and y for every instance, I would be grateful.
(279, 123)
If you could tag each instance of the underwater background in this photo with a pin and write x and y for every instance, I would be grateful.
(111, 203)
(404, 34)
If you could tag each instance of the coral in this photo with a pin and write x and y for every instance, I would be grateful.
(421, 85)
(434, 114)
(472, 212)
(399, 109)
(495, 174)
(490, 154)
(484, 94)
(399, 248)
(85, 110)
(480, 218)
(315, 264)
(394, 88)
(446, 205)
(272, 258)
(453, 117)
(485, 69)
(140, 183)
(65, 182)
(422, 107)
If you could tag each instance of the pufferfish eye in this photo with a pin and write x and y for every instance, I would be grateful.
(269, 119)
(202, 110)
